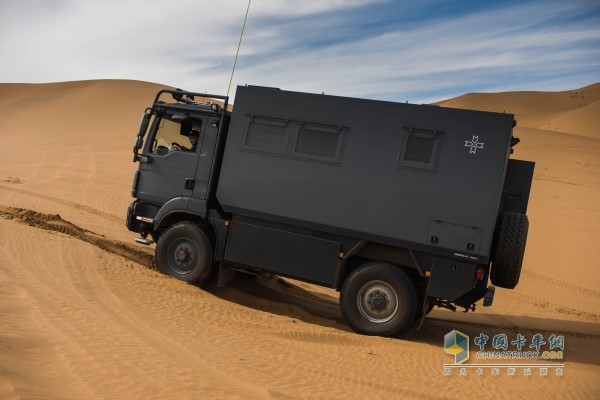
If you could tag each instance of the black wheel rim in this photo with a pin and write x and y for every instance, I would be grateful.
(183, 256)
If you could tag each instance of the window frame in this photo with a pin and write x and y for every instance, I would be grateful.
(437, 137)
(326, 129)
(158, 124)
(261, 149)
(292, 131)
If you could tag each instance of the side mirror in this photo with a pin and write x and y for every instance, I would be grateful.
(139, 140)
(144, 124)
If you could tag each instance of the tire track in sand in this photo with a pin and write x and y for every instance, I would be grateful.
(562, 284)
(55, 223)
(102, 214)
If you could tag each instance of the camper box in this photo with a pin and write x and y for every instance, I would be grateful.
(417, 177)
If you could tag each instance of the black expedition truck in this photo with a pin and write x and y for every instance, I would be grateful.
(400, 207)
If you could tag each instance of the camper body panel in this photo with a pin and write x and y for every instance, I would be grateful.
(347, 166)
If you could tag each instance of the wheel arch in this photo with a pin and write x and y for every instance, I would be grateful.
(366, 252)
(176, 216)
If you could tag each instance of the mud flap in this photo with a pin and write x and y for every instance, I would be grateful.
(424, 312)
(226, 275)
(488, 299)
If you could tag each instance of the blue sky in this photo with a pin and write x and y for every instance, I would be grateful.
(391, 50)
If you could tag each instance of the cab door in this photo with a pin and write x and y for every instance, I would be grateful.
(166, 173)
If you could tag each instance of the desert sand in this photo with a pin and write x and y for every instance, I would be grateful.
(84, 314)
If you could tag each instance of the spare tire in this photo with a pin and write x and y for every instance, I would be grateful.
(510, 249)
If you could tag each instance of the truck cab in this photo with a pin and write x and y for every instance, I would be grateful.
(173, 179)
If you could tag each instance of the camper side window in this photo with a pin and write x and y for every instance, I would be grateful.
(419, 149)
(318, 142)
(269, 135)
(295, 139)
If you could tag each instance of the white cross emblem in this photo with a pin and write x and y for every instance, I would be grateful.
(474, 144)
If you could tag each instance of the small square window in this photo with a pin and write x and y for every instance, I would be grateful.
(419, 149)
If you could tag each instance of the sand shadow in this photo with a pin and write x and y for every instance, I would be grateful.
(278, 296)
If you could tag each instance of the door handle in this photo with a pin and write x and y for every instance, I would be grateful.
(189, 183)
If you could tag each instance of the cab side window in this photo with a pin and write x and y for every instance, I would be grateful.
(169, 137)
(167, 133)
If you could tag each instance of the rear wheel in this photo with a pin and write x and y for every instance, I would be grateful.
(379, 299)
(184, 252)
(508, 259)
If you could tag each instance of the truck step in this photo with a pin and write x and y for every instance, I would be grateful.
(145, 241)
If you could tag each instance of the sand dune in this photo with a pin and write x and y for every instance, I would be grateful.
(83, 313)
(574, 111)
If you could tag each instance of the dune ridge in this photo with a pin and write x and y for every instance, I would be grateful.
(574, 111)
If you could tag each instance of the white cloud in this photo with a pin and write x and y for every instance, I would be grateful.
(443, 54)
(298, 45)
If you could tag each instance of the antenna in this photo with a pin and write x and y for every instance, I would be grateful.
(238, 48)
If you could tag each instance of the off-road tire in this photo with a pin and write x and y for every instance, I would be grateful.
(508, 259)
(184, 251)
(385, 282)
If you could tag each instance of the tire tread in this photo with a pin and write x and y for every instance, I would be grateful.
(510, 250)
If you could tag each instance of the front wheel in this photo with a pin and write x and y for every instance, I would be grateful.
(379, 299)
(184, 252)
